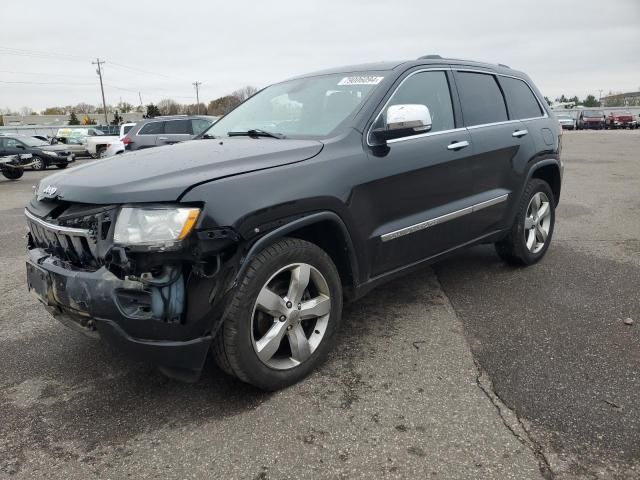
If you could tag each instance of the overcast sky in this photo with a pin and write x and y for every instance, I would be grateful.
(159, 47)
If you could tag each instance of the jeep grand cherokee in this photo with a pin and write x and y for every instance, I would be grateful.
(244, 242)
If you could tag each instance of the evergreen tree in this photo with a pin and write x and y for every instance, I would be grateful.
(73, 119)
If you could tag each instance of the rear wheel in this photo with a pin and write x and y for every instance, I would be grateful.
(531, 233)
(283, 316)
(38, 164)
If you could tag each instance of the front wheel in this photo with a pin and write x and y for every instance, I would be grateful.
(282, 317)
(530, 235)
(13, 173)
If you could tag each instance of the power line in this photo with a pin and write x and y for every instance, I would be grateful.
(146, 72)
(42, 74)
(40, 54)
(43, 83)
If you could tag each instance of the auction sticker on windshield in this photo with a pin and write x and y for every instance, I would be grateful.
(361, 80)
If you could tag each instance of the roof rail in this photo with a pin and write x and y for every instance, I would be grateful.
(429, 57)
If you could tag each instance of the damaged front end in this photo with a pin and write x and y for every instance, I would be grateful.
(142, 277)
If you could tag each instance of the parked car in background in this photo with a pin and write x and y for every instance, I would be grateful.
(566, 121)
(591, 119)
(78, 132)
(245, 242)
(116, 147)
(621, 120)
(76, 145)
(44, 154)
(158, 131)
(97, 146)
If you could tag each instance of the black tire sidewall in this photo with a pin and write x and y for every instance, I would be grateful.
(13, 174)
(246, 359)
(533, 187)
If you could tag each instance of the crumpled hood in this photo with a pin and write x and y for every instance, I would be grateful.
(162, 174)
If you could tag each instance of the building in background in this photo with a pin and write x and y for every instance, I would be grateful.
(628, 99)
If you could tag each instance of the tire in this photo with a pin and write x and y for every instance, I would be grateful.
(244, 332)
(62, 166)
(13, 173)
(517, 248)
(38, 164)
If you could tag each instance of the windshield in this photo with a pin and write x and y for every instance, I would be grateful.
(306, 107)
(33, 142)
(592, 113)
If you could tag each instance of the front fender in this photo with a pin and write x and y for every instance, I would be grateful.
(291, 226)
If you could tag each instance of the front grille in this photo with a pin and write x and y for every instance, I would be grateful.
(74, 245)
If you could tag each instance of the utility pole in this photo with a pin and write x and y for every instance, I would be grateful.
(197, 84)
(140, 97)
(600, 97)
(104, 104)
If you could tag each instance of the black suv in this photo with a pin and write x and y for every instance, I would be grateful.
(245, 241)
(44, 154)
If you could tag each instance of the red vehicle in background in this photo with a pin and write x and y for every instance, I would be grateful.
(595, 119)
(621, 120)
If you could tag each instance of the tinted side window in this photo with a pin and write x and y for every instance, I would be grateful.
(11, 143)
(152, 128)
(481, 98)
(126, 129)
(520, 99)
(425, 88)
(178, 127)
(200, 125)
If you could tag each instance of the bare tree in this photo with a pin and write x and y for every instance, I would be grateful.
(124, 107)
(53, 111)
(168, 107)
(245, 92)
(222, 105)
(84, 108)
(24, 111)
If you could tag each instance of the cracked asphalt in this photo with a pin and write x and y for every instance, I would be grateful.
(468, 370)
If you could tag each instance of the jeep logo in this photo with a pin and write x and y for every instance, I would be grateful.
(49, 191)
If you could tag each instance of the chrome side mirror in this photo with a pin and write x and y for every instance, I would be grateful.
(403, 121)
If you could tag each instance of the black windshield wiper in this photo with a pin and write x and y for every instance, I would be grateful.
(255, 132)
(209, 136)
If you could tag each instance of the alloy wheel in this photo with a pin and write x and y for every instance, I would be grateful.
(290, 316)
(37, 164)
(537, 222)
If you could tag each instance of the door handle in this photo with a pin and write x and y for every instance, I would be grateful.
(164, 139)
(458, 145)
(519, 133)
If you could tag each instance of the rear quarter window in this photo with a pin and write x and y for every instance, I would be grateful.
(178, 127)
(521, 101)
(481, 99)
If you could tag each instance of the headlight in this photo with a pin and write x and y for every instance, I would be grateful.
(51, 154)
(155, 226)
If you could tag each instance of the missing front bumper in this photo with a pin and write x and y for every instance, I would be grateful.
(88, 302)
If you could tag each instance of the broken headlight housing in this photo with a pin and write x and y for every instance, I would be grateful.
(154, 226)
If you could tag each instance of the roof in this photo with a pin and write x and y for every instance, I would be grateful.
(424, 60)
